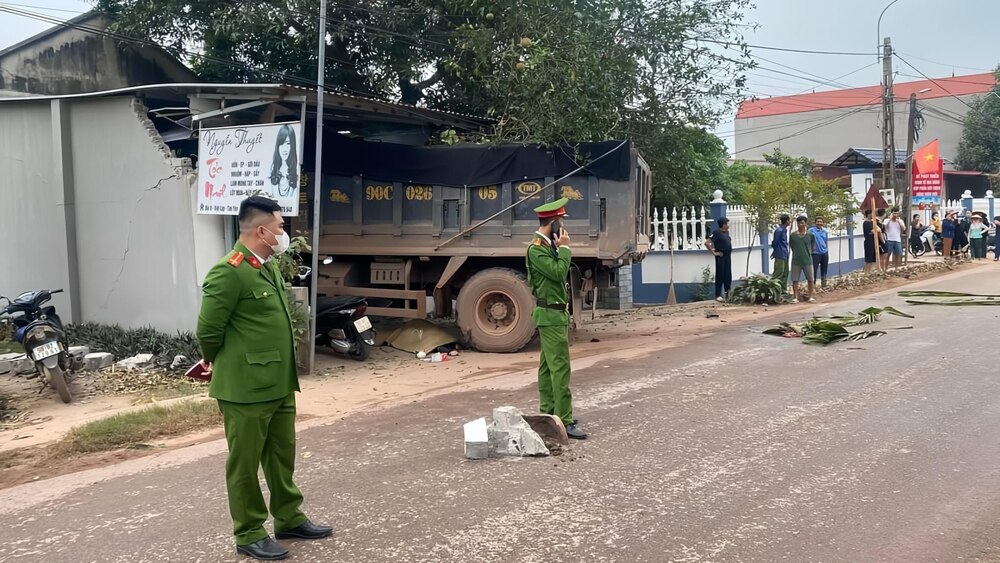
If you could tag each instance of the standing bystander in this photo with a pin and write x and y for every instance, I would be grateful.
(801, 243)
(894, 229)
(820, 250)
(721, 246)
(779, 251)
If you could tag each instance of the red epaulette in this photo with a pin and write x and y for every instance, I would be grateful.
(235, 259)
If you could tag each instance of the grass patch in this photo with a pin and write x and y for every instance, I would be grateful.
(10, 347)
(136, 429)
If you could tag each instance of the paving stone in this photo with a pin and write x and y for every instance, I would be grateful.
(477, 444)
(510, 435)
(97, 361)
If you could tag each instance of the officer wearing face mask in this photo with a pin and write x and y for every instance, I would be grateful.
(245, 332)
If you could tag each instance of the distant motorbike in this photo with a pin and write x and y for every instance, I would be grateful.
(342, 325)
(40, 331)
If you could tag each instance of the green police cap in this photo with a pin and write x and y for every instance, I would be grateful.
(555, 208)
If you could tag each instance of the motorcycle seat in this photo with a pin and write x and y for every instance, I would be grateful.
(327, 304)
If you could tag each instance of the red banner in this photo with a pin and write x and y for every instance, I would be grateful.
(928, 175)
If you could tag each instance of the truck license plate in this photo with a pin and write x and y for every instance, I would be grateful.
(46, 350)
(362, 324)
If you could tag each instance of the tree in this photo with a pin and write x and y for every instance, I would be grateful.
(549, 71)
(979, 148)
(687, 163)
(801, 165)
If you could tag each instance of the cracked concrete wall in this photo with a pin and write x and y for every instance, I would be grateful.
(142, 250)
(135, 220)
(33, 251)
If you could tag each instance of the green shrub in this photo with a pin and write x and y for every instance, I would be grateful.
(702, 291)
(125, 343)
(757, 289)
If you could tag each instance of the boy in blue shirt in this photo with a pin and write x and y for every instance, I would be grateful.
(820, 250)
(779, 251)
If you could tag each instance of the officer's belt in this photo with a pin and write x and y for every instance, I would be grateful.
(554, 306)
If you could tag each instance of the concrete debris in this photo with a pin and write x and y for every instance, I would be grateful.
(97, 361)
(549, 427)
(180, 361)
(24, 366)
(7, 362)
(135, 361)
(476, 439)
(511, 435)
(79, 351)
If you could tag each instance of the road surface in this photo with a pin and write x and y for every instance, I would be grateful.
(739, 447)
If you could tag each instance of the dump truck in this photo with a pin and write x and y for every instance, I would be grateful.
(436, 229)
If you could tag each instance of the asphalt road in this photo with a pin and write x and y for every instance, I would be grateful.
(740, 447)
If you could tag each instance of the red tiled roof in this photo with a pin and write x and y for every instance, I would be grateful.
(869, 95)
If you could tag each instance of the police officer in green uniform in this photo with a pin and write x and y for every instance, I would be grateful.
(245, 332)
(548, 265)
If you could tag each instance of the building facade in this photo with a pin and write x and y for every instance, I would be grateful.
(821, 125)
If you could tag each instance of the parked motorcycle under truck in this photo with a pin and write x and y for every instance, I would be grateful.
(40, 331)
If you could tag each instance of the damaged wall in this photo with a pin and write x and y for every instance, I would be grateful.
(140, 250)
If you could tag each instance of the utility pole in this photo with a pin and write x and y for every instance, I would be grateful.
(888, 127)
(317, 186)
(911, 136)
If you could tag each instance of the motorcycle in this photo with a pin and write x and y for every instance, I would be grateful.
(341, 324)
(40, 331)
(918, 242)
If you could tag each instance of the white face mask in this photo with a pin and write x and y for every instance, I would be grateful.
(281, 244)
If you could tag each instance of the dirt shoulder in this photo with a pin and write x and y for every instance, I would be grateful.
(341, 387)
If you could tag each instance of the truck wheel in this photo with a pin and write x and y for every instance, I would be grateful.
(494, 310)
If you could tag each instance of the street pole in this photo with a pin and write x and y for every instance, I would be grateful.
(317, 186)
(888, 127)
(911, 134)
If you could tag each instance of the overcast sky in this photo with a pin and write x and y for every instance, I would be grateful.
(938, 38)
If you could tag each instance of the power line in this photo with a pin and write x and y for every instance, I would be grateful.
(801, 132)
(77, 12)
(946, 64)
(936, 83)
(789, 49)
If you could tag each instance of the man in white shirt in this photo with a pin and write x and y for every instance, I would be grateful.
(894, 229)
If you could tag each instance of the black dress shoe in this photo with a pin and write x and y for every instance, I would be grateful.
(306, 531)
(573, 431)
(264, 550)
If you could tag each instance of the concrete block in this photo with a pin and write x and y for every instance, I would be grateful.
(510, 435)
(180, 362)
(549, 427)
(97, 361)
(476, 439)
(24, 366)
(135, 361)
(7, 362)
(79, 351)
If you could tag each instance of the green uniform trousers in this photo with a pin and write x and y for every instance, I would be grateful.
(781, 273)
(261, 435)
(554, 396)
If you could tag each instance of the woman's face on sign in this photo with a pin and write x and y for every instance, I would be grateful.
(285, 149)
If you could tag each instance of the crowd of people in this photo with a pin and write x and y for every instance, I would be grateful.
(804, 252)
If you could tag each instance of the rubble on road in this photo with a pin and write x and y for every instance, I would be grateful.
(97, 361)
(477, 444)
(509, 435)
(134, 362)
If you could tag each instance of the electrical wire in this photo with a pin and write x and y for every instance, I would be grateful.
(789, 49)
(946, 64)
(801, 132)
(935, 82)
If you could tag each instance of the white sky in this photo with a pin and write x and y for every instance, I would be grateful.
(958, 36)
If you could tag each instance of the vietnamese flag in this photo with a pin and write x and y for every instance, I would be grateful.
(927, 160)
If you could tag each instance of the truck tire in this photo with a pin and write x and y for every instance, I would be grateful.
(494, 310)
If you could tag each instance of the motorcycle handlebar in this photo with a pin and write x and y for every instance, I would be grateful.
(54, 291)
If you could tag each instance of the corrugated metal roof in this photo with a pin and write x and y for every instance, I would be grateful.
(870, 95)
(332, 99)
(866, 158)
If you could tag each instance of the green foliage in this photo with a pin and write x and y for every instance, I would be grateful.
(125, 343)
(289, 261)
(687, 163)
(702, 291)
(979, 148)
(757, 289)
(800, 165)
(549, 71)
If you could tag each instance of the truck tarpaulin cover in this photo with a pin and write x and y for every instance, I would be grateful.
(470, 165)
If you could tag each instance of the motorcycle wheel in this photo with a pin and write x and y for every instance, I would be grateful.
(57, 379)
(362, 351)
(917, 251)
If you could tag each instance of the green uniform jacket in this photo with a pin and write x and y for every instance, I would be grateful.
(547, 271)
(245, 331)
